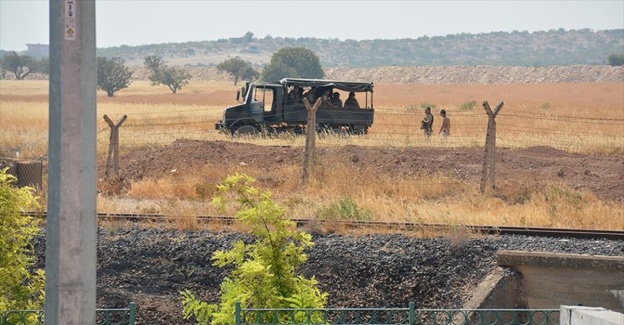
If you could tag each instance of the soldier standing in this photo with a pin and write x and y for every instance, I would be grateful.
(445, 129)
(427, 123)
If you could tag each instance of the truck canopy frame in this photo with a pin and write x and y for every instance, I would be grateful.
(320, 83)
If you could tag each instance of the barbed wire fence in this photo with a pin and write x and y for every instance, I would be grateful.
(399, 129)
(392, 127)
(162, 129)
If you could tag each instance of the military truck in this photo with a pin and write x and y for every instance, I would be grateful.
(265, 107)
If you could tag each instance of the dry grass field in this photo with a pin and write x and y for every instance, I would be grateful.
(583, 118)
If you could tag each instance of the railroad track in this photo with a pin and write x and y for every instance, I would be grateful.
(406, 226)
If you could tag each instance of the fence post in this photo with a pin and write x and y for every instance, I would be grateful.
(113, 146)
(310, 145)
(132, 316)
(489, 161)
(412, 313)
(237, 313)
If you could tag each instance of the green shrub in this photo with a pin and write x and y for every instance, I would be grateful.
(468, 106)
(265, 271)
(562, 195)
(345, 209)
(20, 289)
(616, 59)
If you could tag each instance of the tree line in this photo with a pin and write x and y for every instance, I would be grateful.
(518, 48)
(113, 75)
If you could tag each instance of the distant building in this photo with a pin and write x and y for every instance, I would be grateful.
(38, 50)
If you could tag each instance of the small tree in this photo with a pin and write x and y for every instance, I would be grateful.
(20, 65)
(172, 77)
(19, 288)
(238, 68)
(616, 59)
(249, 74)
(265, 272)
(153, 63)
(112, 75)
(293, 62)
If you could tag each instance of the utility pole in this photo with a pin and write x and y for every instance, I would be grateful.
(71, 226)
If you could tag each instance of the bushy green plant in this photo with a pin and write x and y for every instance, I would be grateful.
(293, 62)
(344, 209)
(238, 69)
(265, 271)
(161, 74)
(20, 65)
(616, 59)
(20, 288)
(468, 106)
(559, 195)
(113, 75)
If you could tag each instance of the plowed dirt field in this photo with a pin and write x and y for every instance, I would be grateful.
(602, 175)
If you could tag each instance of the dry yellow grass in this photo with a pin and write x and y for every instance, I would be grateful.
(573, 117)
(441, 199)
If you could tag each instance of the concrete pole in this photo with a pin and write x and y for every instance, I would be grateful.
(71, 226)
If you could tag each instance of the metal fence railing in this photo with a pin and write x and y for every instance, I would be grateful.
(395, 316)
(111, 316)
(27, 172)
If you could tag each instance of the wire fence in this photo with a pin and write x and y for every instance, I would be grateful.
(402, 128)
(391, 127)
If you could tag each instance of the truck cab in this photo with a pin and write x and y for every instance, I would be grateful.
(265, 107)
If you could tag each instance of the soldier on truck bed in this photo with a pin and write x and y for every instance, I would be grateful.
(294, 96)
(327, 99)
(310, 95)
(351, 102)
(335, 100)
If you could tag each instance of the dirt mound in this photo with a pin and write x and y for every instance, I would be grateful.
(602, 175)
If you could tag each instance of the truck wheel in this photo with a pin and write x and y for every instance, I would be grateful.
(246, 130)
(357, 130)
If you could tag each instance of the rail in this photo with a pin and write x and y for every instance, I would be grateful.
(400, 226)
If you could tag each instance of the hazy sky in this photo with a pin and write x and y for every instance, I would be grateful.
(126, 22)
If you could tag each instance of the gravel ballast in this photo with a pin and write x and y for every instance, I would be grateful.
(151, 266)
